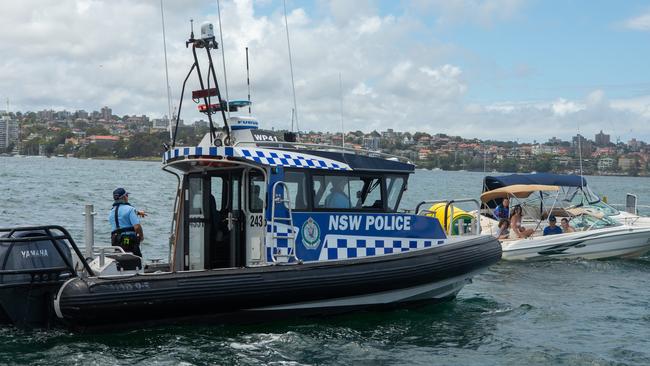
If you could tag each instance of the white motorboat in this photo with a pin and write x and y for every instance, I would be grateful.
(594, 235)
(574, 193)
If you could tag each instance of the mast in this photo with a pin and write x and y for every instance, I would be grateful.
(341, 102)
(293, 84)
(207, 42)
(248, 82)
(169, 95)
(223, 58)
(484, 158)
(580, 154)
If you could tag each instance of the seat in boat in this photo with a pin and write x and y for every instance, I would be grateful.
(126, 261)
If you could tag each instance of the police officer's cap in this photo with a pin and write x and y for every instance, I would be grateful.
(119, 193)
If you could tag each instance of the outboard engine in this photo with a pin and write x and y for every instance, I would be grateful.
(34, 263)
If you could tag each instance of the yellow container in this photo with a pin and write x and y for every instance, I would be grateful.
(460, 215)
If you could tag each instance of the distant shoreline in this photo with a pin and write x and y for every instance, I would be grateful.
(140, 158)
(159, 158)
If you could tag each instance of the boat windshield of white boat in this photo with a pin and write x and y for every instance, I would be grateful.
(584, 196)
(588, 218)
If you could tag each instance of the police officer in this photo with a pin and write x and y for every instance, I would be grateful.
(125, 223)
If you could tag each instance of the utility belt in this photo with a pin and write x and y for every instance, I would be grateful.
(125, 238)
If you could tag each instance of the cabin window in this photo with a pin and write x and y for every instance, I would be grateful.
(236, 185)
(296, 183)
(347, 192)
(256, 192)
(196, 223)
(394, 188)
(216, 193)
(196, 197)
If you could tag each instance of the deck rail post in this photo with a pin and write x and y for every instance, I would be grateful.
(89, 233)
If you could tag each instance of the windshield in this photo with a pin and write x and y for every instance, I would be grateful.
(585, 197)
(588, 222)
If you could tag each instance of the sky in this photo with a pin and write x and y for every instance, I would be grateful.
(523, 70)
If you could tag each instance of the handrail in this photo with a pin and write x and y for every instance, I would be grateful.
(447, 204)
(48, 236)
(291, 238)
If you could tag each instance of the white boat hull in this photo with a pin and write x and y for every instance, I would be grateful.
(615, 242)
(632, 220)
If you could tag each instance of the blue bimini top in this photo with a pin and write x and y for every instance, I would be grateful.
(562, 180)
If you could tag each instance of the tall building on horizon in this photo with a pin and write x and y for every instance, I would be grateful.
(107, 114)
(8, 132)
(582, 146)
(602, 139)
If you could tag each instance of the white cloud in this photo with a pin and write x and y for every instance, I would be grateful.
(369, 25)
(641, 22)
(596, 98)
(363, 90)
(639, 105)
(562, 107)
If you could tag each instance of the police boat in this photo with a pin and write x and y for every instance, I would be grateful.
(262, 228)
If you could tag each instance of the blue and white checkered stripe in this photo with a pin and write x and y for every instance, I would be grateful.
(291, 159)
(199, 151)
(348, 247)
(262, 156)
(282, 245)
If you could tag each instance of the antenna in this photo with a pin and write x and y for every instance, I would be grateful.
(484, 158)
(293, 84)
(580, 154)
(169, 93)
(248, 82)
(223, 57)
(341, 102)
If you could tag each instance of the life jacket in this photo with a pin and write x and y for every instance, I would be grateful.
(124, 237)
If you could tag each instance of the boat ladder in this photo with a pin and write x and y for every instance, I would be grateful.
(290, 234)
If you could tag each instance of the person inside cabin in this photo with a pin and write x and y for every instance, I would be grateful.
(517, 231)
(337, 197)
(552, 229)
(257, 203)
(503, 210)
(566, 228)
(503, 231)
(126, 231)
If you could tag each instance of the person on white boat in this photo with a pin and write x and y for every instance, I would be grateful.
(503, 209)
(518, 231)
(502, 231)
(565, 226)
(552, 229)
(337, 197)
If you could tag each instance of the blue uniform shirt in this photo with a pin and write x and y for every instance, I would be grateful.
(552, 231)
(337, 199)
(126, 216)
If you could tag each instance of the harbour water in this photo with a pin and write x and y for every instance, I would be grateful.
(557, 312)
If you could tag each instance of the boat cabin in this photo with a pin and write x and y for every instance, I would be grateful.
(261, 201)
